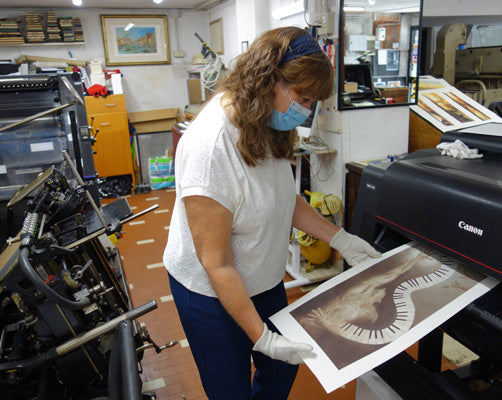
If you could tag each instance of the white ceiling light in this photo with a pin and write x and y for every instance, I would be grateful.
(77, 2)
(158, 1)
(353, 8)
(371, 2)
(288, 10)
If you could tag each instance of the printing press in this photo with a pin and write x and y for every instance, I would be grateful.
(453, 206)
(68, 329)
(40, 116)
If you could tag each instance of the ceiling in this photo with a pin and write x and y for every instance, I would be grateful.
(105, 4)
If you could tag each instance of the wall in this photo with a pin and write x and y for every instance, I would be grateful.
(485, 16)
(447, 8)
(146, 87)
(227, 12)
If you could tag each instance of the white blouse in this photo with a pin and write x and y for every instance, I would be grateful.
(261, 199)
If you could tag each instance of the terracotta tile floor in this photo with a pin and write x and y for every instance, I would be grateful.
(172, 374)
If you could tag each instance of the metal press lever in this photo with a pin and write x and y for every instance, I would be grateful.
(151, 344)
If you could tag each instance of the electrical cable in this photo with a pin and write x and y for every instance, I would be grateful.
(211, 73)
(316, 143)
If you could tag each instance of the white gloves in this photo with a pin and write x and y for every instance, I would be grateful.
(351, 247)
(278, 347)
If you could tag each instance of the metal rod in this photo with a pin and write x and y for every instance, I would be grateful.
(103, 230)
(41, 114)
(78, 341)
(109, 326)
(72, 90)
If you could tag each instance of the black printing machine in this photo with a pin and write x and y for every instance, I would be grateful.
(455, 207)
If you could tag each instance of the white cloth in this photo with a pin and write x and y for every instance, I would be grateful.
(261, 198)
(458, 149)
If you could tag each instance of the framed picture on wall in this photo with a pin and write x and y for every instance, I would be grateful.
(135, 39)
(216, 36)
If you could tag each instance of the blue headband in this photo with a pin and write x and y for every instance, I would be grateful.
(301, 46)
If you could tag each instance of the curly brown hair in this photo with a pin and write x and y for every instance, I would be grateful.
(249, 85)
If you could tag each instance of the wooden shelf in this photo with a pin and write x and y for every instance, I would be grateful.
(41, 44)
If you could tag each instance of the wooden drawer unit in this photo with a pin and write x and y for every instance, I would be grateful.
(104, 105)
(113, 150)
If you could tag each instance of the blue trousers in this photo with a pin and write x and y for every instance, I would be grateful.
(222, 350)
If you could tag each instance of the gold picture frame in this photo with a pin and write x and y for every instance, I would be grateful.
(135, 39)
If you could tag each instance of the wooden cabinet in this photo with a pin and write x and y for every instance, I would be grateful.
(112, 148)
(397, 94)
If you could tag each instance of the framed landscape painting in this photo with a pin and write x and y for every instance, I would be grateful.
(135, 39)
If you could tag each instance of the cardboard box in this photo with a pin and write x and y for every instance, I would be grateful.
(350, 87)
(154, 120)
(195, 91)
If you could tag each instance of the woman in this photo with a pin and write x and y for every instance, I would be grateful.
(235, 205)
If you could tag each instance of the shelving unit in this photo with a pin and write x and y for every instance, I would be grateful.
(55, 30)
(43, 44)
(294, 266)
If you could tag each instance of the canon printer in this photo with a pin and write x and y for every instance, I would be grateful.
(453, 206)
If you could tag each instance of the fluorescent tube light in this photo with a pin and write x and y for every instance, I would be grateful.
(407, 10)
(353, 8)
(288, 10)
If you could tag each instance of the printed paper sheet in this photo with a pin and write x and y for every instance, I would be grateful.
(447, 108)
(368, 314)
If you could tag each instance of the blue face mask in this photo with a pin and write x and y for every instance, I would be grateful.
(293, 117)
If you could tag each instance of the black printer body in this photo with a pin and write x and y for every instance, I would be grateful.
(455, 207)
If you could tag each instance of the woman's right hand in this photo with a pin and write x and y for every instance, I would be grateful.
(278, 347)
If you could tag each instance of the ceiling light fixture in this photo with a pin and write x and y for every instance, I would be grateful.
(371, 2)
(158, 1)
(288, 10)
(353, 8)
(77, 2)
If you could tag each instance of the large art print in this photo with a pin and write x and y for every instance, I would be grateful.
(368, 314)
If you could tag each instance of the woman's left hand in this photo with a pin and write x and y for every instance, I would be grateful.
(351, 247)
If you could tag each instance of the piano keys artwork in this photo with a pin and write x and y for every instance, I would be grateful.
(366, 315)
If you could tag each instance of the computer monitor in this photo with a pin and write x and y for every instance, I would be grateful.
(305, 129)
(360, 73)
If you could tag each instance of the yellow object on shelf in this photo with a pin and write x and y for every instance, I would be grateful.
(327, 204)
(315, 251)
